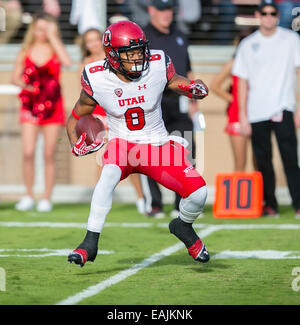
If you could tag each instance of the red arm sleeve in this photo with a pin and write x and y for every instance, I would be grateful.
(85, 84)
(170, 69)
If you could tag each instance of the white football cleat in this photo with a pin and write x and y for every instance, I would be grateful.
(44, 206)
(25, 204)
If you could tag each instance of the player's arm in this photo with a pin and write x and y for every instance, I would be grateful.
(219, 79)
(191, 88)
(184, 86)
(18, 72)
(84, 106)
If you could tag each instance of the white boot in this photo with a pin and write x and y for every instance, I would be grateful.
(44, 206)
(140, 205)
(26, 203)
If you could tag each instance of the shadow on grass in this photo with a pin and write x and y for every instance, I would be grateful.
(180, 260)
(86, 272)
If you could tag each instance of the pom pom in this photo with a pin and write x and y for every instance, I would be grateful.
(46, 91)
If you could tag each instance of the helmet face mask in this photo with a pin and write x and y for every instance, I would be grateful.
(137, 65)
(121, 40)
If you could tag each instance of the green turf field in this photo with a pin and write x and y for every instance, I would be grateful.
(141, 263)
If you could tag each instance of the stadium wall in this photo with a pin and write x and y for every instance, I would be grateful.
(76, 177)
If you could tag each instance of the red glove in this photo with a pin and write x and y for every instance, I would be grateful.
(195, 89)
(80, 148)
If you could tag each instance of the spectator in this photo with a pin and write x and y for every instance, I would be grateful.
(188, 14)
(223, 29)
(238, 141)
(13, 19)
(87, 14)
(266, 63)
(91, 47)
(51, 7)
(120, 11)
(30, 7)
(37, 71)
(92, 50)
(185, 16)
(139, 13)
(162, 34)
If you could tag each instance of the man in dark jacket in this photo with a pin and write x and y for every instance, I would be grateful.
(176, 110)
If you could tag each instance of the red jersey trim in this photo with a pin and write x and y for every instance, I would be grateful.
(85, 84)
(170, 69)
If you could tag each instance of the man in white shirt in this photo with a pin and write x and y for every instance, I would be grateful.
(266, 63)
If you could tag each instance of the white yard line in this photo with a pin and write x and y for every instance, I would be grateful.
(254, 226)
(95, 289)
(258, 254)
(83, 225)
(43, 252)
(46, 224)
(144, 225)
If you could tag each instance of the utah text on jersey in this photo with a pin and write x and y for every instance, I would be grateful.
(133, 108)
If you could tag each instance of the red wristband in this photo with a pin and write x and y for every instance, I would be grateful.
(75, 115)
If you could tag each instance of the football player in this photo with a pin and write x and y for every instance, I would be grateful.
(129, 84)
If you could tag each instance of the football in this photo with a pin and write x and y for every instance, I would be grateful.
(94, 128)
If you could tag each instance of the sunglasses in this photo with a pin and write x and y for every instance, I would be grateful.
(273, 13)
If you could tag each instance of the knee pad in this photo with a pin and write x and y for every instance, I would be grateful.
(191, 206)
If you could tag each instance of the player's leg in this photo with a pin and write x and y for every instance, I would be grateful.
(156, 210)
(100, 206)
(190, 208)
(287, 142)
(115, 168)
(29, 137)
(181, 177)
(262, 148)
(140, 202)
(239, 149)
(183, 127)
(51, 134)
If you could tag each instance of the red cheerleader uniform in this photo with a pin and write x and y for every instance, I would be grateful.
(233, 126)
(44, 104)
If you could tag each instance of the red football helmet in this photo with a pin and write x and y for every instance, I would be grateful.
(125, 36)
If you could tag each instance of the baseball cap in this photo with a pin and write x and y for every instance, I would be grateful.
(162, 4)
(265, 3)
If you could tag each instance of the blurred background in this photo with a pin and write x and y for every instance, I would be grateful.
(210, 26)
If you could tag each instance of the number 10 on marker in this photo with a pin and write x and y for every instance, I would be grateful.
(238, 195)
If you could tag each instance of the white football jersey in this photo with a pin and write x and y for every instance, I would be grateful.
(133, 108)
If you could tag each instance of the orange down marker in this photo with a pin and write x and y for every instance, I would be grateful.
(238, 195)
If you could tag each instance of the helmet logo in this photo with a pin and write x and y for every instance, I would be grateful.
(106, 38)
